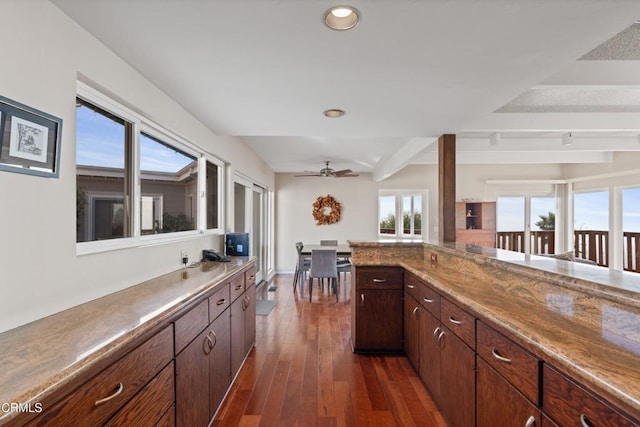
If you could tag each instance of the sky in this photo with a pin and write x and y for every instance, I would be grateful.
(100, 142)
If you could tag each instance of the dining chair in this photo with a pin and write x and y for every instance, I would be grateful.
(302, 267)
(323, 266)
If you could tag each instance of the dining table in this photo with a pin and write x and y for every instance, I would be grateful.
(342, 251)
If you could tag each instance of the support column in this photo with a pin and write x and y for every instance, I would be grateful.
(447, 188)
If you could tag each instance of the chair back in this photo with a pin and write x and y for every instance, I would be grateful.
(328, 243)
(323, 263)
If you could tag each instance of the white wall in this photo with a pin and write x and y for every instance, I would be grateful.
(40, 273)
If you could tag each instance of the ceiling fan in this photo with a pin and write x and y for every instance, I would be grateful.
(327, 172)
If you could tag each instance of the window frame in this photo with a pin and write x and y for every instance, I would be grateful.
(399, 195)
(140, 125)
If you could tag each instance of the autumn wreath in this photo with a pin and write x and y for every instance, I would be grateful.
(326, 210)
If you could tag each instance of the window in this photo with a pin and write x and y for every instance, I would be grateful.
(169, 183)
(134, 179)
(526, 224)
(213, 195)
(103, 142)
(405, 204)
(631, 229)
(591, 226)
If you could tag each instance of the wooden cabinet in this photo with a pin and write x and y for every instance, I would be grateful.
(568, 403)
(203, 368)
(476, 223)
(243, 324)
(143, 370)
(440, 342)
(412, 309)
(377, 324)
(457, 379)
(507, 381)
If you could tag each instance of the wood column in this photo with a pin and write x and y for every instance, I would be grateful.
(447, 188)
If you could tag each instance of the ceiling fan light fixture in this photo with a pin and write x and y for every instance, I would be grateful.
(333, 113)
(341, 18)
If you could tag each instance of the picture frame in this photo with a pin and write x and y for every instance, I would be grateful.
(30, 140)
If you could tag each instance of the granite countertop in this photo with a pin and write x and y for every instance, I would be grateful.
(583, 319)
(42, 355)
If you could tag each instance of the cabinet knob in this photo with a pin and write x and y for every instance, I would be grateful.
(113, 396)
(531, 421)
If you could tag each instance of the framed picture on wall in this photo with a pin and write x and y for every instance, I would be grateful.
(30, 140)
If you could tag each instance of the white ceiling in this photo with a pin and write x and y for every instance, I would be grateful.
(410, 71)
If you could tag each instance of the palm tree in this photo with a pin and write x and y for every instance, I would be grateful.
(547, 222)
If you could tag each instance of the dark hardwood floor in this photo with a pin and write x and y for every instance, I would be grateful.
(303, 372)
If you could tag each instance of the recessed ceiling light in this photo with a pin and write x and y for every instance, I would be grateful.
(341, 17)
(333, 113)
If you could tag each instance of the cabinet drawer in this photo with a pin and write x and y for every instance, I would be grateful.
(567, 403)
(459, 322)
(98, 399)
(218, 302)
(250, 277)
(236, 286)
(191, 324)
(379, 277)
(412, 285)
(519, 367)
(430, 300)
(148, 406)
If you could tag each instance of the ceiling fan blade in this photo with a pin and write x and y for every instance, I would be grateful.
(308, 174)
(348, 175)
(342, 172)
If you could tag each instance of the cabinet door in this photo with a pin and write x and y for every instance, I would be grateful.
(411, 329)
(379, 320)
(192, 383)
(499, 403)
(457, 382)
(237, 334)
(430, 354)
(220, 361)
(250, 318)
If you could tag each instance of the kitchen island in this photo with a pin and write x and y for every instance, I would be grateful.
(578, 321)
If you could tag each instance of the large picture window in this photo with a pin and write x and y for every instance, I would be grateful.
(134, 179)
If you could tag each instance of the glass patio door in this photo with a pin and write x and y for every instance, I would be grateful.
(526, 224)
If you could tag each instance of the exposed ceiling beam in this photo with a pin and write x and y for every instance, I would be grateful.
(401, 158)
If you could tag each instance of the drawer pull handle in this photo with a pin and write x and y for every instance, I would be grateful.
(425, 299)
(454, 321)
(379, 280)
(584, 421)
(220, 301)
(362, 299)
(500, 358)
(207, 345)
(415, 311)
(531, 421)
(440, 335)
(411, 286)
(215, 339)
(238, 286)
(108, 398)
(435, 332)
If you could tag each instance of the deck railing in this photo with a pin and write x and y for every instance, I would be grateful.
(589, 244)
(542, 242)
